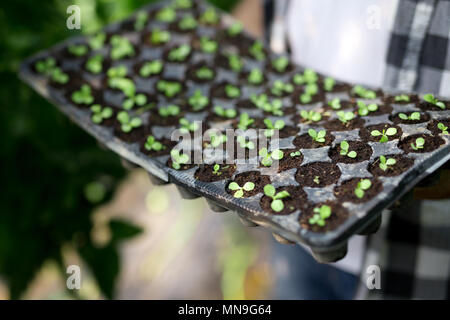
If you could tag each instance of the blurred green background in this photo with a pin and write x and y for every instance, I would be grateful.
(55, 178)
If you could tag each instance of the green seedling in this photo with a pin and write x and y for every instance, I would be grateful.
(316, 180)
(46, 66)
(78, 50)
(83, 95)
(208, 45)
(95, 64)
(216, 140)
(309, 76)
(345, 152)
(402, 98)
(179, 54)
(255, 77)
(363, 92)
(443, 128)
(117, 72)
(183, 4)
(216, 169)
(385, 134)
(198, 101)
(269, 157)
(97, 41)
(328, 84)
(362, 186)
(335, 104)
(235, 62)
(431, 99)
(280, 64)
(364, 109)
(238, 190)
(125, 85)
(311, 116)
(235, 29)
(186, 126)
(187, 23)
(386, 164)
(317, 136)
(169, 88)
(121, 48)
(141, 20)
(232, 91)
(321, 214)
(100, 113)
(277, 204)
(271, 127)
(169, 111)
(244, 144)
(151, 68)
(209, 16)
(127, 123)
(153, 145)
(245, 121)
(139, 99)
(204, 73)
(178, 158)
(257, 51)
(158, 36)
(345, 117)
(225, 113)
(295, 154)
(418, 144)
(279, 88)
(415, 116)
(166, 14)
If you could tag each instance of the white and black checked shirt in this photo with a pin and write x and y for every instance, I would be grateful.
(412, 248)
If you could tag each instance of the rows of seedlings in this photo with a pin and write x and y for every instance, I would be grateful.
(340, 149)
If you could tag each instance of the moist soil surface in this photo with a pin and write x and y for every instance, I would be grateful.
(338, 215)
(318, 174)
(133, 136)
(250, 176)
(431, 143)
(363, 151)
(296, 200)
(167, 143)
(205, 172)
(402, 164)
(346, 191)
(426, 106)
(433, 126)
(305, 141)
(364, 133)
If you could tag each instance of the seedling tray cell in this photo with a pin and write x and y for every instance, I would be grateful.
(320, 175)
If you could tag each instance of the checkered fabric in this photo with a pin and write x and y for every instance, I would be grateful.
(412, 247)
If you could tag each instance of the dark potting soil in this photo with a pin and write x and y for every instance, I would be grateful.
(345, 192)
(338, 125)
(191, 72)
(431, 143)
(289, 162)
(318, 174)
(424, 117)
(433, 126)
(382, 109)
(296, 200)
(338, 215)
(402, 164)
(364, 133)
(206, 173)
(363, 151)
(156, 119)
(134, 135)
(250, 176)
(305, 141)
(426, 106)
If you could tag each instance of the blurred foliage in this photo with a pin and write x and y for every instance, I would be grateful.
(53, 174)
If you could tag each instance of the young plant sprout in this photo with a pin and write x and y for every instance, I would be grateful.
(78, 50)
(139, 99)
(232, 91)
(268, 157)
(345, 152)
(412, 117)
(94, 64)
(335, 104)
(217, 140)
(235, 29)
(362, 186)
(245, 121)
(244, 144)
(46, 66)
(209, 16)
(125, 85)
(328, 83)
(321, 214)
(127, 123)
(386, 164)
(169, 111)
(295, 154)
(317, 136)
(97, 41)
(151, 68)
(186, 126)
(345, 117)
(363, 92)
(204, 73)
(225, 113)
(238, 190)
(178, 158)
(153, 145)
(166, 14)
(235, 62)
(311, 116)
(257, 51)
(364, 109)
(59, 76)
(121, 47)
(187, 23)
(311, 89)
(279, 88)
(100, 113)
(216, 169)
(183, 4)
(271, 127)
(280, 64)
(431, 99)
(309, 76)
(255, 77)
(401, 98)
(158, 36)
(316, 180)
(117, 72)
(443, 128)
(198, 101)
(179, 54)
(208, 45)
(141, 20)
(169, 88)
(277, 204)
(385, 134)
(83, 96)
(418, 144)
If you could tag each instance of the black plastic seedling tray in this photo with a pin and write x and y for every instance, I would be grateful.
(328, 243)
